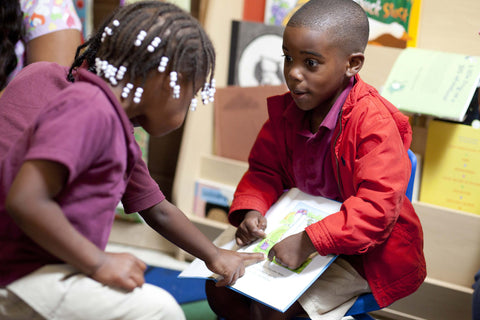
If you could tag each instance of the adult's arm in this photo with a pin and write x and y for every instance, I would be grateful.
(58, 46)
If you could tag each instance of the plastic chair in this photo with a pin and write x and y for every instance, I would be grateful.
(413, 160)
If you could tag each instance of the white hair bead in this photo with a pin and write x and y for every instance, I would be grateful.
(176, 91)
(138, 95)
(163, 64)
(140, 37)
(193, 104)
(126, 90)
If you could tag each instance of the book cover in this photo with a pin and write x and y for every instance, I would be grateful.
(253, 10)
(266, 281)
(433, 83)
(393, 23)
(256, 50)
(84, 9)
(451, 171)
(278, 12)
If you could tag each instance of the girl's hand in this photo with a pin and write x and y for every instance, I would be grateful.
(230, 265)
(251, 228)
(121, 270)
(292, 251)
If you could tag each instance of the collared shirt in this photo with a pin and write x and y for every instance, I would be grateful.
(83, 127)
(312, 150)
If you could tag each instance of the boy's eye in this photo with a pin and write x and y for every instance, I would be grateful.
(287, 58)
(311, 63)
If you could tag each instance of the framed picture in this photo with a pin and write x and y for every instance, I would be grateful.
(255, 54)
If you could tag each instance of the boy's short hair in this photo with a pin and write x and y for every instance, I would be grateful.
(344, 20)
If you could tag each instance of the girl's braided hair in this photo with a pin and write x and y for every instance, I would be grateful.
(11, 31)
(183, 41)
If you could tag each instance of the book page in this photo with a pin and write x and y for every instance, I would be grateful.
(450, 170)
(266, 281)
(434, 83)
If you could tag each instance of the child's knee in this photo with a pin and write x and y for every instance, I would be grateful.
(159, 304)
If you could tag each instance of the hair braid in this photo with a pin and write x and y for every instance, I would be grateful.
(183, 41)
(11, 31)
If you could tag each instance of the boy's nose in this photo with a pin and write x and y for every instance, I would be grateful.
(294, 73)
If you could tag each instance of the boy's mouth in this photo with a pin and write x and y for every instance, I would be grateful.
(298, 93)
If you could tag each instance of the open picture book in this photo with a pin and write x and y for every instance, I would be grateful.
(266, 281)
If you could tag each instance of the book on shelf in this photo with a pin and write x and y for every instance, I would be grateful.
(387, 26)
(212, 199)
(255, 54)
(451, 173)
(240, 109)
(266, 281)
(433, 83)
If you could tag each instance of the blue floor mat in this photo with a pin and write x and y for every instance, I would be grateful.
(184, 290)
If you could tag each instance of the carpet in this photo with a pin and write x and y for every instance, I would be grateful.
(189, 293)
(184, 290)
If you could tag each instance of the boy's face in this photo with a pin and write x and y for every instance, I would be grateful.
(314, 69)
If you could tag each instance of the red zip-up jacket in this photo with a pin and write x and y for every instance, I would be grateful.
(376, 229)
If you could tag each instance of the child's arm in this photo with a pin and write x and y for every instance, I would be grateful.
(251, 228)
(31, 203)
(292, 251)
(171, 223)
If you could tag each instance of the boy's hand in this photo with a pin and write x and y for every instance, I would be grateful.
(230, 265)
(251, 228)
(292, 251)
(121, 270)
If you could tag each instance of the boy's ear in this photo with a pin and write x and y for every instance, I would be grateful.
(355, 63)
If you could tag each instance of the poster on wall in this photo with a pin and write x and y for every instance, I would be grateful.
(256, 50)
(393, 23)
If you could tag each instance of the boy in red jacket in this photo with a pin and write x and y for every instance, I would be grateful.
(334, 136)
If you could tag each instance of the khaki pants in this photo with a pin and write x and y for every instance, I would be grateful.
(330, 297)
(57, 292)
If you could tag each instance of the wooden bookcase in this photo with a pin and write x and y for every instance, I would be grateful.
(452, 238)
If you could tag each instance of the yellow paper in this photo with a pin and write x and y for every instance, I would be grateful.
(451, 168)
